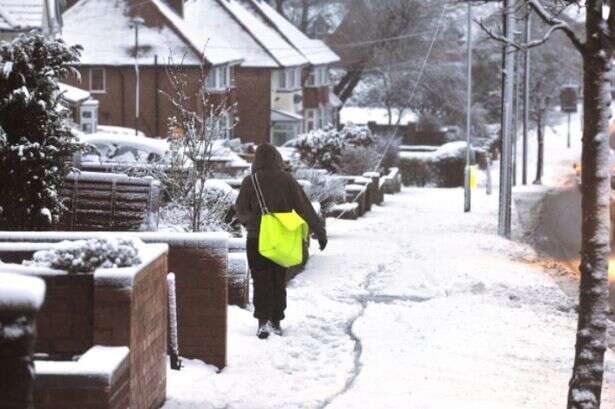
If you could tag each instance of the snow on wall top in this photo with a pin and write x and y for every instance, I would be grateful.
(364, 115)
(20, 293)
(104, 30)
(21, 14)
(316, 51)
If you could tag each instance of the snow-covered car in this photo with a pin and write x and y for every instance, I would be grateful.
(115, 148)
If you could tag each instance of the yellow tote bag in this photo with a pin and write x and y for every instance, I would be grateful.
(281, 235)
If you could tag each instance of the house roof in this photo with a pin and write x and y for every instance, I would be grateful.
(24, 14)
(316, 51)
(104, 30)
(245, 29)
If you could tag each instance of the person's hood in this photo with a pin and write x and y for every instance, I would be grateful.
(267, 157)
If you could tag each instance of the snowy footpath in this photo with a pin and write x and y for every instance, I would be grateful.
(417, 305)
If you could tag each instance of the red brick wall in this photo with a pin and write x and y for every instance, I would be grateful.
(254, 104)
(77, 391)
(65, 321)
(137, 317)
(314, 96)
(117, 104)
(201, 284)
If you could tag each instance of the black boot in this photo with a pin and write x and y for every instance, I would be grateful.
(263, 329)
(277, 328)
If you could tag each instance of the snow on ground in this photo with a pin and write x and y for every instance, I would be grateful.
(416, 305)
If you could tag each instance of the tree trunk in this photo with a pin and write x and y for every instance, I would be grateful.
(305, 15)
(586, 382)
(347, 84)
(540, 159)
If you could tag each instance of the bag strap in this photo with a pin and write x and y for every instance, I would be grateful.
(259, 194)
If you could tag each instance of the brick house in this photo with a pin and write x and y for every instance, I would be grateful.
(22, 16)
(106, 30)
(282, 82)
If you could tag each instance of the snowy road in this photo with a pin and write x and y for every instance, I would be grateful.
(418, 305)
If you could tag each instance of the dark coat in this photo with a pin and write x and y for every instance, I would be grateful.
(281, 191)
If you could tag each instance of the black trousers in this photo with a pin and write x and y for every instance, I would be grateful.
(269, 284)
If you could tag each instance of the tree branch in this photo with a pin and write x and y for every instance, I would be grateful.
(519, 46)
(551, 20)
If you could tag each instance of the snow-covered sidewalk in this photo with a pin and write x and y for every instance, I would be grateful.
(418, 305)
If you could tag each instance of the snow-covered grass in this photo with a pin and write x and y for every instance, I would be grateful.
(416, 305)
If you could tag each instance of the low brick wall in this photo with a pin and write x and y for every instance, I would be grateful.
(200, 264)
(357, 194)
(20, 299)
(393, 181)
(100, 379)
(112, 307)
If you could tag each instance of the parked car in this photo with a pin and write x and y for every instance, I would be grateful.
(117, 150)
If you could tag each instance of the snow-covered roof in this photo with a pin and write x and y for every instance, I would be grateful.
(284, 116)
(380, 116)
(316, 51)
(104, 30)
(22, 14)
(73, 94)
(247, 32)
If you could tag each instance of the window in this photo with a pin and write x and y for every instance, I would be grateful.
(97, 80)
(221, 126)
(289, 79)
(310, 119)
(88, 116)
(282, 132)
(318, 77)
(220, 78)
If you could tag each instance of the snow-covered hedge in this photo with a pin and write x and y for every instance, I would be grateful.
(324, 148)
(443, 167)
(218, 201)
(325, 190)
(85, 256)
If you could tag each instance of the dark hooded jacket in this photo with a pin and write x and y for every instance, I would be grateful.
(281, 191)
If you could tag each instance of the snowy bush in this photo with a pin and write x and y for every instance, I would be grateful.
(442, 168)
(324, 148)
(35, 145)
(325, 190)
(85, 256)
(218, 208)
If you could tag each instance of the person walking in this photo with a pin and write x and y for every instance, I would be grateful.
(281, 193)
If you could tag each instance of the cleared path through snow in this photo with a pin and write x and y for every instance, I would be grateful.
(418, 305)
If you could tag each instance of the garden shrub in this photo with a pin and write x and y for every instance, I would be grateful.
(85, 256)
(442, 168)
(36, 147)
(324, 148)
(325, 190)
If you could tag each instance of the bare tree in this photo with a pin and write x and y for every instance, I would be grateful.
(198, 121)
(596, 49)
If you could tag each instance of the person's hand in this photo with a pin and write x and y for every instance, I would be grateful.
(322, 243)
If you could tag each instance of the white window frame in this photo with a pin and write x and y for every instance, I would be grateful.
(318, 77)
(219, 78)
(288, 79)
(104, 81)
(288, 131)
(311, 115)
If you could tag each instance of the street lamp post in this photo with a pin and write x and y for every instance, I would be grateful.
(135, 23)
(468, 188)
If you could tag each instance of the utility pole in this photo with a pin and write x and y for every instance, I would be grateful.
(468, 189)
(505, 197)
(526, 91)
(136, 22)
(515, 126)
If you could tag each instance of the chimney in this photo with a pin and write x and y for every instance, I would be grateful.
(177, 6)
